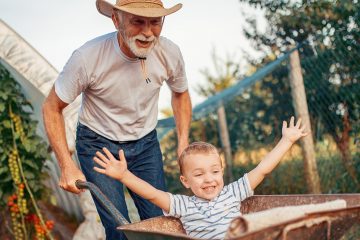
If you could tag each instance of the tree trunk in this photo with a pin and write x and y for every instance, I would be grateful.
(225, 141)
(203, 131)
(343, 145)
(301, 111)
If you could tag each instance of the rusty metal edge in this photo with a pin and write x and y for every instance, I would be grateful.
(179, 236)
(306, 217)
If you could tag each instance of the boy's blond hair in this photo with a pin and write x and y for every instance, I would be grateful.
(195, 148)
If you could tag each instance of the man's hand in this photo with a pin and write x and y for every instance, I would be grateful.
(68, 177)
(110, 165)
(181, 146)
(293, 132)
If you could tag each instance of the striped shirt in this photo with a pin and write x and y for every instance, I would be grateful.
(210, 219)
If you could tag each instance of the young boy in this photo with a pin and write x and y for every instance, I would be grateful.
(209, 212)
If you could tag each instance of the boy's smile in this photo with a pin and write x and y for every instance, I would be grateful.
(203, 174)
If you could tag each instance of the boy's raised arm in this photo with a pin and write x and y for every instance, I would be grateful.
(118, 170)
(289, 136)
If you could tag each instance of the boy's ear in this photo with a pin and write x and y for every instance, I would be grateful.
(184, 181)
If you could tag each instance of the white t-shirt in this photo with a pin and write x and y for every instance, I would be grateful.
(117, 102)
(210, 219)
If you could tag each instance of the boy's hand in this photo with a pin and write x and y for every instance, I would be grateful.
(110, 165)
(293, 132)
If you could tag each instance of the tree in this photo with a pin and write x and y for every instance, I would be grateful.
(329, 32)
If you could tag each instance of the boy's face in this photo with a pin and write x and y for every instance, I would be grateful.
(203, 174)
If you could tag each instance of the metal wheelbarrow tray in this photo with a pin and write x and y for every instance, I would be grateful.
(332, 224)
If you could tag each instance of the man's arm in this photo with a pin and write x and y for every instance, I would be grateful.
(55, 129)
(181, 105)
(289, 136)
(118, 170)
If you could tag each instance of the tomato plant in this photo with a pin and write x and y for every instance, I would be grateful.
(22, 158)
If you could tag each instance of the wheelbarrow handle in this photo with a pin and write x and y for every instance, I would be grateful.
(105, 202)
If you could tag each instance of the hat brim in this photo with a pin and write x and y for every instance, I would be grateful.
(106, 8)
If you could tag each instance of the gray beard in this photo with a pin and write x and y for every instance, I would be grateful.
(140, 52)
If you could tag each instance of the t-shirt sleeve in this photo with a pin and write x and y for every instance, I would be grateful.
(178, 205)
(72, 80)
(178, 81)
(242, 188)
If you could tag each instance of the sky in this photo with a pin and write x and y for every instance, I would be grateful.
(55, 28)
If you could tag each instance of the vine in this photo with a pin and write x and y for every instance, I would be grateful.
(22, 157)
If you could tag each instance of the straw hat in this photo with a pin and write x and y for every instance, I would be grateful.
(144, 8)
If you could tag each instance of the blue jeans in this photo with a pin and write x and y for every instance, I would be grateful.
(144, 159)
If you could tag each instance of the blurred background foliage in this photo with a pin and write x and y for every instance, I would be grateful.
(327, 33)
(328, 40)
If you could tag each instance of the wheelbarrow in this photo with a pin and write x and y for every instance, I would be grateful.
(329, 224)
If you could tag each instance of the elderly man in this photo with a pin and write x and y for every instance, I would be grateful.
(119, 75)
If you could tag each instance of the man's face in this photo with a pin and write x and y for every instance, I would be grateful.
(203, 174)
(138, 34)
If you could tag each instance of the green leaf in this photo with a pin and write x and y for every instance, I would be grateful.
(2, 107)
(3, 157)
(6, 179)
(27, 145)
(6, 123)
(3, 95)
(36, 187)
(29, 175)
(16, 135)
(4, 169)
(30, 163)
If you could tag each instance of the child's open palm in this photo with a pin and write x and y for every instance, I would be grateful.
(293, 132)
(110, 165)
